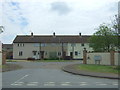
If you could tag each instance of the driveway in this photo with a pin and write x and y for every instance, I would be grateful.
(50, 75)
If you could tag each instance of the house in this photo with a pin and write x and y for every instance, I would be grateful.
(50, 46)
(8, 49)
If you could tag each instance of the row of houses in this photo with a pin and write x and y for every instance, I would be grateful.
(50, 46)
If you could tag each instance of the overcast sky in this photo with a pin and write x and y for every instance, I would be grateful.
(43, 17)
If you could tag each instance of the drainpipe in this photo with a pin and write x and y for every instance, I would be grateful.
(40, 51)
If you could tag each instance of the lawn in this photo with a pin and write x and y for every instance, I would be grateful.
(3, 66)
(41, 60)
(98, 68)
(56, 60)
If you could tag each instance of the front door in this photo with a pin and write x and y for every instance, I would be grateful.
(71, 55)
(42, 54)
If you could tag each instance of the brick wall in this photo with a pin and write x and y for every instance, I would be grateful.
(3, 58)
(107, 58)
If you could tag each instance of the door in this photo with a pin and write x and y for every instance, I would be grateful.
(71, 55)
(42, 54)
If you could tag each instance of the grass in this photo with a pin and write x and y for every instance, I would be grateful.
(3, 66)
(41, 60)
(98, 68)
(55, 60)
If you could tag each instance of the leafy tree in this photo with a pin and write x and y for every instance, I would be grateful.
(104, 39)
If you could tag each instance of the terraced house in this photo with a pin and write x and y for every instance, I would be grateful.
(50, 46)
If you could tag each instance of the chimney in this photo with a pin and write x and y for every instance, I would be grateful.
(31, 33)
(80, 34)
(53, 34)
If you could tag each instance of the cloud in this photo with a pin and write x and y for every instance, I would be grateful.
(61, 7)
(14, 14)
(39, 16)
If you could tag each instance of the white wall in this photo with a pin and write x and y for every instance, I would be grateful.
(105, 58)
(79, 49)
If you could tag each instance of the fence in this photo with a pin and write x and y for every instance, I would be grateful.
(102, 58)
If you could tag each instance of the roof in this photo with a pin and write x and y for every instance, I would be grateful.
(51, 39)
(7, 46)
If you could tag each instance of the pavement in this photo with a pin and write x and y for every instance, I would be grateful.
(71, 69)
(50, 75)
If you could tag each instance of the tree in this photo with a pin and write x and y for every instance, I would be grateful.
(104, 39)
(116, 24)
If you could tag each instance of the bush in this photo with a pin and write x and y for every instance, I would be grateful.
(31, 59)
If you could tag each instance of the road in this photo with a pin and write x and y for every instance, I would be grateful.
(50, 75)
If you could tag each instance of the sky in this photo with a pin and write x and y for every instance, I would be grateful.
(64, 17)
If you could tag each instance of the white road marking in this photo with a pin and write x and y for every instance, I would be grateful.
(115, 84)
(31, 84)
(65, 84)
(83, 84)
(16, 84)
(19, 80)
(49, 84)
(101, 84)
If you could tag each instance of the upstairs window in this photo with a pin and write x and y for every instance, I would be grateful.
(20, 44)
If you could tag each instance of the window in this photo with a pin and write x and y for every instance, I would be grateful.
(34, 52)
(59, 53)
(20, 44)
(20, 53)
(73, 44)
(36, 45)
(43, 44)
(82, 44)
(76, 53)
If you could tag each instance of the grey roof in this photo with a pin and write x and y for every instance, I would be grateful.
(51, 39)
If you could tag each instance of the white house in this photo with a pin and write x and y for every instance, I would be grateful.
(50, 46)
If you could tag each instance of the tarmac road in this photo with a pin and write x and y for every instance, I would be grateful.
(50, 75)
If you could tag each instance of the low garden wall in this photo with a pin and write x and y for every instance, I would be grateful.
(102, 58)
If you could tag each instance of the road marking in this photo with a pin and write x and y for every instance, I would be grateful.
(83, 84)
(31, 84)
(16, 84)
(49, 84)
(101, 84)
(66, 84)
(19, 83)
(21, 78)
(115, 84)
